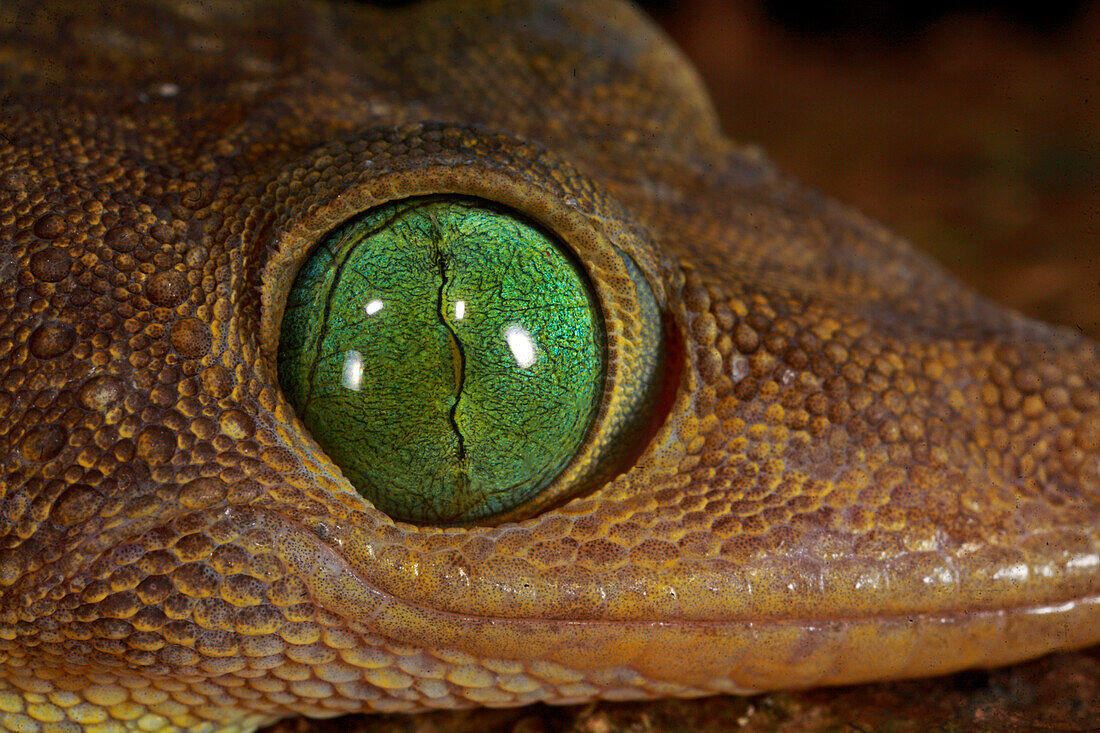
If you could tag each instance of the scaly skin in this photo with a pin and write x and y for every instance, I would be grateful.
(859, 469)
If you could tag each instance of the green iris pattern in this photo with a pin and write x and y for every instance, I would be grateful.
(446, 354)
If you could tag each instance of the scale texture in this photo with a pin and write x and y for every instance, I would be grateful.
(856, 469)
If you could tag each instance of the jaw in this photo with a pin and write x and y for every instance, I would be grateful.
(260, 591)
(621, 652)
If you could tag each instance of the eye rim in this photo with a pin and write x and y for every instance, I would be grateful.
(508, 173)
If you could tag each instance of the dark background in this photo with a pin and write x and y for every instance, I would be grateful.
(972, 128)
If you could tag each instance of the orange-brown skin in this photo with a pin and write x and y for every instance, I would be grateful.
(861, 469)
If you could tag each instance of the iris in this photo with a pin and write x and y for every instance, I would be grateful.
(446, 353)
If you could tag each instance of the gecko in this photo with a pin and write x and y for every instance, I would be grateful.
(806, 455)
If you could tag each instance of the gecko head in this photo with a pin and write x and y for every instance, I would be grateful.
(774, 446)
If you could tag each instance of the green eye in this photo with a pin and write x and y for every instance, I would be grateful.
(446, 354)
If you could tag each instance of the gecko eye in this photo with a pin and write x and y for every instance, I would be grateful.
(447, 354)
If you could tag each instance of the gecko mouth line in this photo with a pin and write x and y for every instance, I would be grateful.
(897, 618)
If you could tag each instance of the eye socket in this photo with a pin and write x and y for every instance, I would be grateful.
(447, 354)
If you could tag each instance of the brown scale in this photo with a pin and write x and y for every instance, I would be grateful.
(860, 470)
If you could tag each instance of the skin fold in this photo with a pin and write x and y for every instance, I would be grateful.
(854, 468)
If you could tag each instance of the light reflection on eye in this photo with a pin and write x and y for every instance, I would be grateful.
(352, 375)
(373, 307)
(460, 309)
(519, 341)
